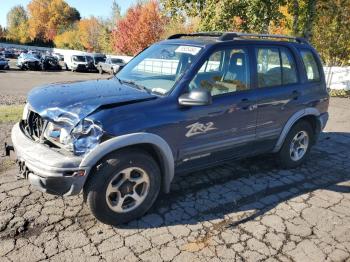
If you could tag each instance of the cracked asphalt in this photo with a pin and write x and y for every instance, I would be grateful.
(248, 210)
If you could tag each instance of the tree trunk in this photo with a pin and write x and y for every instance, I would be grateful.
(310, 17)
(295, 17)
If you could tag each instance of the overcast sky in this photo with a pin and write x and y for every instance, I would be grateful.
(86, 7)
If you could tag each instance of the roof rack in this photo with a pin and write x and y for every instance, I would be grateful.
(232, 35)
(209, 34)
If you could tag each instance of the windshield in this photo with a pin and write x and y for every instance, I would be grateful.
(116, 61)
(99, 59)
(29, 56)
(159, 67)
(78, 58)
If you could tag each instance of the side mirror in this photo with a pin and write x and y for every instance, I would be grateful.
(197, 97)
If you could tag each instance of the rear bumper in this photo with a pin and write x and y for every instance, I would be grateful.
(47, 169)
(323, 119)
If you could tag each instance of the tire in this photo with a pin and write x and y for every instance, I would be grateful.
(111, 171)
(289, 159)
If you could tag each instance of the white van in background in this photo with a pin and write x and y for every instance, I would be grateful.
(76, 61)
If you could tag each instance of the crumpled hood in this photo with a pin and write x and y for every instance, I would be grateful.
(74, 101)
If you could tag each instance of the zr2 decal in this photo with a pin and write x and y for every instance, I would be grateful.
(198, 128)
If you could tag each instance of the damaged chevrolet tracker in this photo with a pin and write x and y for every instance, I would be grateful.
(184, 104)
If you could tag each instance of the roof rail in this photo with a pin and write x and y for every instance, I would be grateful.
(231, 35)
(227, 36)
(210, 34)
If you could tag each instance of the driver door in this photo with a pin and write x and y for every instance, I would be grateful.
(225, 128)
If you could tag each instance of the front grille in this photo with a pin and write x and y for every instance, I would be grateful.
(34, 125)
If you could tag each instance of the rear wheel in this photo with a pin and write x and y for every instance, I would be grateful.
(297, 145)
(123, 187)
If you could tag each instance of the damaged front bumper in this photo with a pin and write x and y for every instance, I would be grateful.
(48, 169)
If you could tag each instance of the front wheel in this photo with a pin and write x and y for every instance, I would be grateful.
(123, 186)
(297, 145)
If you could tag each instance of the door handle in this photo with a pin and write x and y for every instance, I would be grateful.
(246, 104)
(295, 94)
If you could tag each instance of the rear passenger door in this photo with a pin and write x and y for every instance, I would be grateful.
(278, 91)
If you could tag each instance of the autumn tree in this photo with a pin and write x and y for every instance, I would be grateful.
(17, 24)
(179, 25)
(331, 31)
(115, 16)
(91, 34)
(225, 15)
(260, 14)
(89, 31)
(141, 27)
(69, 39)
(2, 32)
(47, 18)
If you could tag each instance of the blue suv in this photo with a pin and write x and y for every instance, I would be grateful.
(183, 104)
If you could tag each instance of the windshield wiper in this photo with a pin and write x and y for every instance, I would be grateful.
(133, 83)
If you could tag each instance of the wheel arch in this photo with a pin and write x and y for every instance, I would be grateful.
(311, 115)
(156, 146)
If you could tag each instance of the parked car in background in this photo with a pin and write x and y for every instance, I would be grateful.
(35, 53)
(50, 63)
(90, 64)
(97, 58)
(28, 61)
(59, 56)
(112, 65)
(75, 62)
(4, 63)
(8, 54)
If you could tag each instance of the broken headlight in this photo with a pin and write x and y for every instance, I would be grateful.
(81, 139)
(86, 135)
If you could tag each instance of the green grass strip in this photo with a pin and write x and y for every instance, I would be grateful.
(10, 114)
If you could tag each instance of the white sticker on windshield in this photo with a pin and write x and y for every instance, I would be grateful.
(193, 50)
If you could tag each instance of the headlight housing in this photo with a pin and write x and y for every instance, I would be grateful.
(80, 140)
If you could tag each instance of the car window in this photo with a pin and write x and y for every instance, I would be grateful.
(213, 63)
(225, 71)
(160, 66)
(99, 59)
(116, 60)
(310, 64)
(268, 67)
(289, 72)
(78, 58)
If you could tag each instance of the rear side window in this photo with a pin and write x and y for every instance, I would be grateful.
(269, 67)
(289, 72)
(275, 67)
(310, 64)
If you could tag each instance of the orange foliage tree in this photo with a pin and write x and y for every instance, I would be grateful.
(89, 33)
(142, 26)
(48, 17)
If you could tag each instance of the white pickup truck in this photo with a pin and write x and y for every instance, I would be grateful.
(112, 65)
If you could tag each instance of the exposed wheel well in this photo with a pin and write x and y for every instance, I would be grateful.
(148, 148)
(314, 122)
